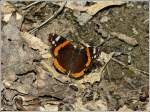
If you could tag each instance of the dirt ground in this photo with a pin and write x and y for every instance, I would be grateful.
(27, 85)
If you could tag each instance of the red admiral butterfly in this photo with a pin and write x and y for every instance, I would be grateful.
(69, 58)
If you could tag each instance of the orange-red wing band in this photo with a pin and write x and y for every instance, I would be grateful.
(58, 66)
(60, 46)
(88, 57)
(79, 74)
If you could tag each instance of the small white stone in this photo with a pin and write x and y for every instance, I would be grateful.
(7, 84)
(120, 19)
(139, 6)
(135, 31)
(104, 19)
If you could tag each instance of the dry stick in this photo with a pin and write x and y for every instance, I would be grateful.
(123, 64)
(146, 20)
(53, 16)
(108, 72)
(34, 3)
(146, 49)
(130, 83)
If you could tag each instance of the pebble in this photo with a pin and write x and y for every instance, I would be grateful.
(103, 32)
(116, 12)
(120, 19)
(139, 6)
(130, 48)
(130, 5)
(129, 59)
(135, 31)
(40, 83)
(7, 84)
(104, 19)
(43, 76)
(146, 6)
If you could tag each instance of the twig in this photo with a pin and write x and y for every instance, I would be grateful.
(146, 20)
(144, 72)
(129, 67)
(130, 83)
(146, 49)
(34, 3)
(125, 38)
(108, 72)
(121, 63)
(53, 16)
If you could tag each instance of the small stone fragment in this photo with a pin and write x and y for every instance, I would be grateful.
(135, 31)
(104, 19)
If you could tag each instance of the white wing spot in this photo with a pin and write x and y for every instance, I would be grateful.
(75, 46)
(53, 42)
(94, 51)
(57, 39)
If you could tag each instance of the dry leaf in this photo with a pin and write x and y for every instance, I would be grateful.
(7, 9)
(74, 5)
(125, 109)
(125, 38)
(50, 69)
(92, 10)
(105, 57)
(87, 11)
(22, 88)
(98, 105)
(36, 43)
(49, 107)
(90, 106)
(92, 77)
(79, 105)
(7, 17)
